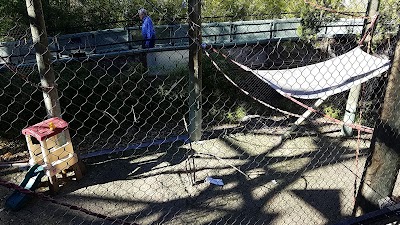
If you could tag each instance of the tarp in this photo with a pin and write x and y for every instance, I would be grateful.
(324, 78)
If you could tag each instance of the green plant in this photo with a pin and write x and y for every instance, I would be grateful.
(312, 19)
(236, 115)
(332, 111)
(173, 87)
(387, 25)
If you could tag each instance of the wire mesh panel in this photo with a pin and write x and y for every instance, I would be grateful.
(191, 112)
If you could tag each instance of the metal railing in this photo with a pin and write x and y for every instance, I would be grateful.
(128, 40)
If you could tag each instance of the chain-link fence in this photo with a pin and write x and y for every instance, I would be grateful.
(257, 112)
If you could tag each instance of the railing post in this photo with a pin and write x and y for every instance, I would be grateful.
(129, 38)
(231, 31)
(171, 34)
(40, 42)
(272, 30)
(195, 73)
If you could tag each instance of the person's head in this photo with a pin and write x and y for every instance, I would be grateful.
(142, 13)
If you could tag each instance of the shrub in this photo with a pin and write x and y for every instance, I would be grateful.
(333, 112)
(236, 115)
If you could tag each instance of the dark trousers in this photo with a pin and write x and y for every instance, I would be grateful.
(152, 43)
(142, 56)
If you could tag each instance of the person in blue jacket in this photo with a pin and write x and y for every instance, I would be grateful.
(148, 32)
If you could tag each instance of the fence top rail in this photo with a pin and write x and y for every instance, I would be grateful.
(343, 21)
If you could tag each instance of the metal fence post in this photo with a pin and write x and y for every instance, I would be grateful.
(354, 94)
(195, 75)
(40, 42)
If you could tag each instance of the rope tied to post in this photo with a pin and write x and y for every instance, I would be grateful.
(288, 96)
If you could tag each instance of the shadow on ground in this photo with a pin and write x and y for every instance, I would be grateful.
(299, 184)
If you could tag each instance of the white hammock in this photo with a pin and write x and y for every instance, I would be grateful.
(325, 78)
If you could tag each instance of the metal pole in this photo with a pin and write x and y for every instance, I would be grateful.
(303, 117)
(383, 165)
(351, 108)
(195, 73)
(354, 94)
(40, 42)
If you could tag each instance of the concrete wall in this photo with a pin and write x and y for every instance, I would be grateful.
(166, 62)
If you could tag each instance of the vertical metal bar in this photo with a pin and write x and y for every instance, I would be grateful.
(171, 33)
(130, 44)
(40, 42)
(271, 32)
(351, 108)
(195, 73)
(231, 31)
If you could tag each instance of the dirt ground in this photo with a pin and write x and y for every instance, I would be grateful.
(307, 179)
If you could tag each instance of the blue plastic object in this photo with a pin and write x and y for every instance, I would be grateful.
(31, 182)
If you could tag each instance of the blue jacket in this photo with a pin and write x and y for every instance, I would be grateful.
(148, 31)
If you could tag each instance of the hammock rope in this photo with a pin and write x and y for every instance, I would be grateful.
(287, 95)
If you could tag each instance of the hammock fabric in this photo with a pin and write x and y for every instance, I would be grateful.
(325, 78)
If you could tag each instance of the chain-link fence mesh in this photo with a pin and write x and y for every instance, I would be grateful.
(135, 111)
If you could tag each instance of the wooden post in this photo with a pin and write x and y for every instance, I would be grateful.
(383, 165)
(39, 37)
(354, 94)
(195, 73)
